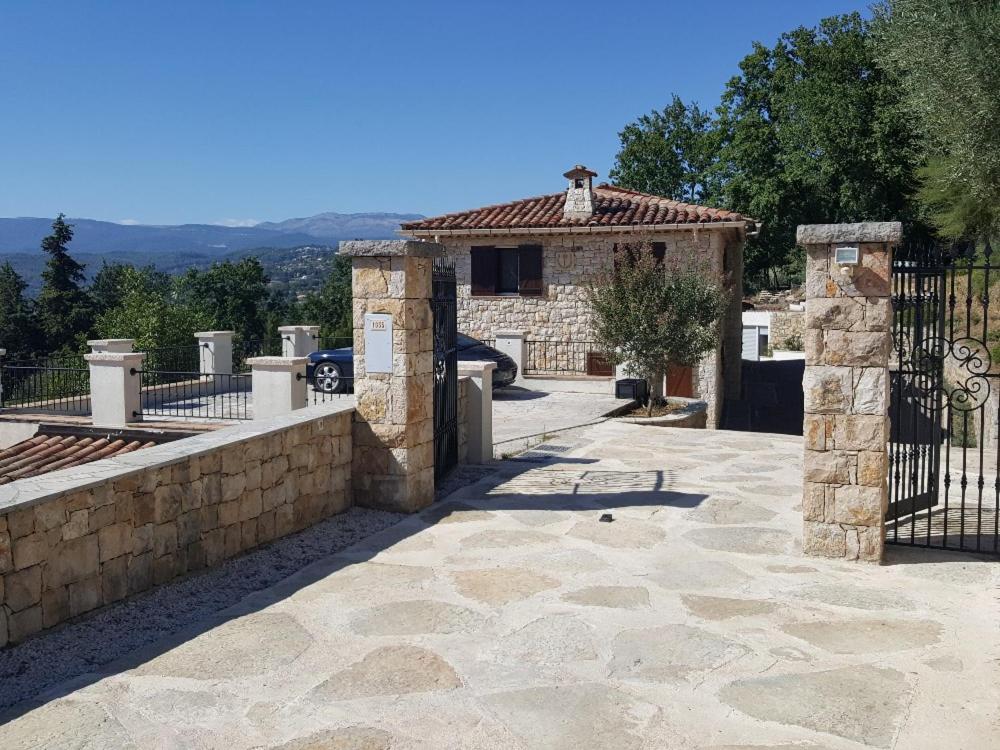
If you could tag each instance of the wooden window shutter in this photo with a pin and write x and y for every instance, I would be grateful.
(484, 271)
(530, 270)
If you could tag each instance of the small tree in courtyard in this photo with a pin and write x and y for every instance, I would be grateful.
(649, 317)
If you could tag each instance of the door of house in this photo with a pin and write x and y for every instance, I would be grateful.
(944, 473)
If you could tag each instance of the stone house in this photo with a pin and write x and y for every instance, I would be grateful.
(524, 267)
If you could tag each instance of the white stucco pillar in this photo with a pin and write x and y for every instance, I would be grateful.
(115, 397)
(512, 343)
(215, 352)
(111, 345)
(279, 385)
(298, 341)
(480, 409)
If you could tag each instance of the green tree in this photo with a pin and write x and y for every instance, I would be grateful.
(331, 307)
(230, 295)
(648, 317)
(945, 53)
(150, 314)
(108, 287)
(64, 310)
(19, 333)
(813, 130)
(669, 153)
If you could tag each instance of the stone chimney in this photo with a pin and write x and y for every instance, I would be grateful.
(580, 193)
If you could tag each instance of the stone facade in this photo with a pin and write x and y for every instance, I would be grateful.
(120, 526)
(847, 345)
(562, 315)
(394, 423)
(787, 329)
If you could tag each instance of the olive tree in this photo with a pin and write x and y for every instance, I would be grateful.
(649, 316)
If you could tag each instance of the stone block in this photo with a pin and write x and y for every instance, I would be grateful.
(233, 540)
(828, 390)
(188, 528)
(6, 553)
(50, 515)
(143, 509)
(164, 539)
(114, 580)
(4, 631)
(142, 539)
(164, 569)
(871, 390)
(23, 589)
(878, 314)
(248, 534)
(232, 461)
(55, 606)
(77, 525)
(24, 623)
(857, 505)
(114, 540)
(814, 501)
(856, 348)
(873, 468)
(191, 497)
(102, 516)
(823, 540)
(21, 522)
(85, 595)
(860, 432)
(250, 505)
(829, 467)
(140, 572)
(871, 543)
(71, 561)
(829, 313)
(233, 486)
(814, 431)
(370, 279)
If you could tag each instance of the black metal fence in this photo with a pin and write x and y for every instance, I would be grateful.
(544, 357)
(194, 395)
(181, 359)
(326, 389)
(244, 349)
(56, 384)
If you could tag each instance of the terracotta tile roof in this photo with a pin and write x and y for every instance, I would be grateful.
(44, 453)
(613, 207)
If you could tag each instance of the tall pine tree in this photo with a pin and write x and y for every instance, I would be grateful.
(64, 310)
(18, 332)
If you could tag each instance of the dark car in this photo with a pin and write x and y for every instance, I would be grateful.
(332, 370)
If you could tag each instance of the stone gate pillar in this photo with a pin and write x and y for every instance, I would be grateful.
(846, 427)
(393, 464)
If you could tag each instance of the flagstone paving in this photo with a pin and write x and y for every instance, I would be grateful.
(512, 616)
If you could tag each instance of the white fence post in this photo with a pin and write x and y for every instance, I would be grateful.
(115, 397)
(279, 385)
(480, 434)
(513, 344)
(117, 346)
(298, 341)
(215, 352)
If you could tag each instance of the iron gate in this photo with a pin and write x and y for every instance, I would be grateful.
(443, 308)
(944, 467)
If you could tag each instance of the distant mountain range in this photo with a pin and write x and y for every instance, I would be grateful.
(176, 248)
(23, 235)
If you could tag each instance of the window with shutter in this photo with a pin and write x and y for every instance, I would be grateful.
(484, 271)
(530, 270)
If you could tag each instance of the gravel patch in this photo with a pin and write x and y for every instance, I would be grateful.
(113, 632)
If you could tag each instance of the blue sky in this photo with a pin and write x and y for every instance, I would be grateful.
(214, 111)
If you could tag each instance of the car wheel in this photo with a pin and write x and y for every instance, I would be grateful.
(327, 378)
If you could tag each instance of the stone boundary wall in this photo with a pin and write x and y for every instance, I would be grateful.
(76, 539)
(785, 325)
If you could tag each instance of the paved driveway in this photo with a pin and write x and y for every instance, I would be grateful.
(514, 617)
(522, 416)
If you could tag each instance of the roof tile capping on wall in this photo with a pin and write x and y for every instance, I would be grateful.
(76, 539)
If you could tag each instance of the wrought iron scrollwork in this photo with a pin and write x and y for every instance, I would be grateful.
(966, 385)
